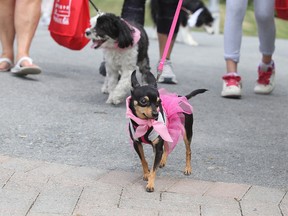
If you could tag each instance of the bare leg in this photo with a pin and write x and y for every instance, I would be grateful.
(162, 38)
(25, 26)
(266, 59)
(7, 31)
(231, 66)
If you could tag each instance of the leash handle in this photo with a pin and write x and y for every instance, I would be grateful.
(169, 39)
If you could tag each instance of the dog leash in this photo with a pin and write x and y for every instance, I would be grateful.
(94, 6)
(169, 39)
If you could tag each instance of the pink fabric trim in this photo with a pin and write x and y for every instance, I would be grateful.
(174, 107)
(145, 124)
(136, 35)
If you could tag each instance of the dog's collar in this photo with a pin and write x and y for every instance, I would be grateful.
(144, 125)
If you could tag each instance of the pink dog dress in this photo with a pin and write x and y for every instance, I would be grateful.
(169, 124)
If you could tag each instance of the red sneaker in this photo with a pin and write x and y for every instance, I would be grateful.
(231, 85)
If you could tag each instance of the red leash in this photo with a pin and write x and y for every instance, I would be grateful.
(169, 39)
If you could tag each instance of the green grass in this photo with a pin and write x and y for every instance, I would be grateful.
(249, 24)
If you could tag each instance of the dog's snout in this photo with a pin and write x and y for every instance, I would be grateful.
(88, 33)
(154, 114)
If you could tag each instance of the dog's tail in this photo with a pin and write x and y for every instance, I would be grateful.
(195, 92)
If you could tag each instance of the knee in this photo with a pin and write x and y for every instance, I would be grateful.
(264, 17)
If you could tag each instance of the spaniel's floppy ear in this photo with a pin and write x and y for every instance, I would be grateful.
(134, 81)
(151, 80)
(125, 38)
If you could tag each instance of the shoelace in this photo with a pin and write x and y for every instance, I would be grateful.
(264, 76)
(232, 80)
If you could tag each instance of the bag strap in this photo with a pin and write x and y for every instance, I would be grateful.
(94, 6)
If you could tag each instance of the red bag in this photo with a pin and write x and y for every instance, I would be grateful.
(281, 9)
(69, 20)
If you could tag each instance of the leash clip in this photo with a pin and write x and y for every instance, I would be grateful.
(160, 69)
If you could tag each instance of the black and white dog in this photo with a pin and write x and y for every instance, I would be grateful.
(193, 13)
(125, 46)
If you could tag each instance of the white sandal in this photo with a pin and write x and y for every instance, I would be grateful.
(9, 62)
(20, 70)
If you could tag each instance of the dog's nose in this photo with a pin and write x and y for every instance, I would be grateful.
(88, 33)
(155, 114)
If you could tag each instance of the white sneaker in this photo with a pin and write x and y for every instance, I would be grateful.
(167, 75)
(231, 86)
(266, 79)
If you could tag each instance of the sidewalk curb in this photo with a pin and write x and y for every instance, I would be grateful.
(30, 187)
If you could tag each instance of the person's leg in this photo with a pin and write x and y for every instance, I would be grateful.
(7, 31)
(164, 21)
(134, 10)
(25, 26)
(162, 39)
(166, 12)
(264, 14)
(235, 12)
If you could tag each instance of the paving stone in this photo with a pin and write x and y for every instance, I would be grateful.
(115, 212)
(19, 164)
(46, 214)
(51, 169)
(16, 200)
(57, 199)
(161, 183)
(220, 206)
(174, 202)
(5, 176)
(4, 158)
(257, 208)
(135, 197)
(269, 195)
(33, 181)
(193, 187)
(81, 176)
(221, 189)
(98, 197)
(180, 213)
(40, 176)
(120, 178)
(284, 205)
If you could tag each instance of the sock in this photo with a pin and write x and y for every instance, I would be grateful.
(265, 67)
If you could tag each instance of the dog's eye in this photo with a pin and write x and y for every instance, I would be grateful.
(158, 103)
(144, 102)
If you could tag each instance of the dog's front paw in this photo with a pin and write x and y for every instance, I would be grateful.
(104, 89)
(114, 100)
(187, 171)
(149, 188)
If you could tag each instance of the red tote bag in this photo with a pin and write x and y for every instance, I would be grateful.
(281, 9)
(69, 20)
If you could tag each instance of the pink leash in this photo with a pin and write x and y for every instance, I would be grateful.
(169, 39)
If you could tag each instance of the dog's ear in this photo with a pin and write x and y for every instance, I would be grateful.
(125, 38)
(134, 81)
(151, 80)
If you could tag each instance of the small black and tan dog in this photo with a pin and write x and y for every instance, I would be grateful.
(158, 118)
